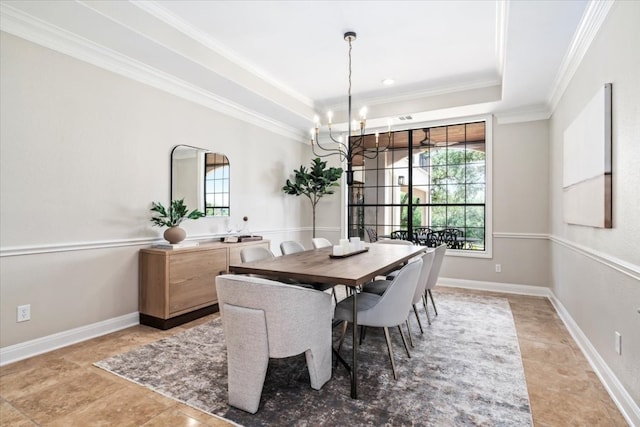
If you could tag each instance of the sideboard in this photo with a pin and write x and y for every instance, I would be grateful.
(178, 285)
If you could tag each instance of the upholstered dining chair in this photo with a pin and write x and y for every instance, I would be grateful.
(255, 253)
(265, 319)
(383, 311)
(379, 287)
(291, 247)
(438, 256)
(320, 242)
(392, 274)
(372, 234)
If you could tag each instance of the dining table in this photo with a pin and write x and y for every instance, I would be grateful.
(353, 270)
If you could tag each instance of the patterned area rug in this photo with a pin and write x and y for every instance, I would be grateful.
(465, 370)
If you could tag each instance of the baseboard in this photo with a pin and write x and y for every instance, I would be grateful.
(508, 288)
(625, 403)
(27, 349)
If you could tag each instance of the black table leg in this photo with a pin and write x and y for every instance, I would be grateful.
(354, 372)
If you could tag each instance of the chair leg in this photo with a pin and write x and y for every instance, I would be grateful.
(406, 322)
(393, 363)
(426, 308)
(333, 292)
(342, 335)
(432, 301)
(415, 311)
(363, 330)
(404, 341)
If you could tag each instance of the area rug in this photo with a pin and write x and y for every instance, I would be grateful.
(465, 370)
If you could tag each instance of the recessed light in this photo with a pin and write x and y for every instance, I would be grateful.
(388, 82)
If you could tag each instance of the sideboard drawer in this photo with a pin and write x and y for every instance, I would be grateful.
(192, 280)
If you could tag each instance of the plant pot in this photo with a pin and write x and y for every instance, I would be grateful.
(175, 235)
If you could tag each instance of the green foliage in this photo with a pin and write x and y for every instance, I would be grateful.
(416, 215)
(457, 176)
(313, 183)
(173, 216)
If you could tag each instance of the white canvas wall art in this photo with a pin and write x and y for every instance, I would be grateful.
(587, 164)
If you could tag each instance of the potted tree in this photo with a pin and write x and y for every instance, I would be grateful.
(313, 183)
(172, 218)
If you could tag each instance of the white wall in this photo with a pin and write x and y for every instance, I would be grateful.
(596, 272)
(83, 153)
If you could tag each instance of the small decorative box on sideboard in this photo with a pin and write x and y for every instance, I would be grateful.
(178, 285)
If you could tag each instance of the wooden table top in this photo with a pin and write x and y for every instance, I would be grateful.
(316, 265)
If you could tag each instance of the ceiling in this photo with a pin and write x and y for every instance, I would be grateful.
(282, 62)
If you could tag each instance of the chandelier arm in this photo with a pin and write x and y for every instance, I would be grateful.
(328, 152)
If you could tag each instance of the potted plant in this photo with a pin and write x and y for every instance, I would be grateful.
(172, 218)
(314, 183)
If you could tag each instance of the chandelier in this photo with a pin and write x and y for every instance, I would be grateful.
(353, 146)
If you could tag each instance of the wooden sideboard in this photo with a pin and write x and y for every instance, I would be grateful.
(177, 286)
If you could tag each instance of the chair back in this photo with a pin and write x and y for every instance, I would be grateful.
(393, 306)
(255, 253)
(453, 237)
(291, 247)
(438, 257)
(372, 233)
(320, 242)
(427, 265)
(294, 315)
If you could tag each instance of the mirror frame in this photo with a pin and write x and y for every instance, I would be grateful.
(199, 179)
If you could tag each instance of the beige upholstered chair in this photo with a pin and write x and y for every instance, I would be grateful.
(320, 242)
(386, 310)
(255, 253)
(434, 273)
(291, 247)
(262, 319)
(380, 286)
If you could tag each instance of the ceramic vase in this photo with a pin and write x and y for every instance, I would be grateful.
(175, 235)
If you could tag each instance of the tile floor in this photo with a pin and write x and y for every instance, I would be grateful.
(62, 388)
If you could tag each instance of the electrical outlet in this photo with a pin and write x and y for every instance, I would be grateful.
(24, 313)
(498, 268)
(618, 342)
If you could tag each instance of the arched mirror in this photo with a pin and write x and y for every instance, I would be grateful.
(201, 178)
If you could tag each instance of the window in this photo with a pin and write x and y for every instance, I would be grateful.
(432, 183)
(216, 188)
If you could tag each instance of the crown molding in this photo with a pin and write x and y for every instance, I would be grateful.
(20, 24)
(534, 114)
(155, 9)
(590, 24)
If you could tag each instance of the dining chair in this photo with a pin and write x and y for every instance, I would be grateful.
(320, 242)
(379, 287)
(453, 237)
(391, 275)
(383, 311)
(438, 256)
(255, 253)
(372, 234)
(265, 319)
(291, 247)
